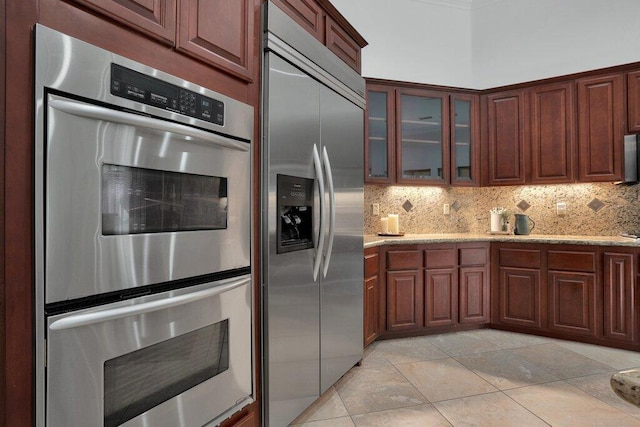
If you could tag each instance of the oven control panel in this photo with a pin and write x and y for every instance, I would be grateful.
(136, 86)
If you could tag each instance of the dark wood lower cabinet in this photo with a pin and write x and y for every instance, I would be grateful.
(441, 297)
(371, 295)
(572, 303)
(619, 297)
(520, 297)
(474, 295)
(404, 300)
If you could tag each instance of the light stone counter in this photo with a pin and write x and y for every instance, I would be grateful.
(626, 384)
(371, 241)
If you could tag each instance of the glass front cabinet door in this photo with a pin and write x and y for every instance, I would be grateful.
(423, 129)
(464, 140)
(379, 149)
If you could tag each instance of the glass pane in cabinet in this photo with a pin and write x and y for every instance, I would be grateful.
(421, 138)
(462, 140)
(378, 138)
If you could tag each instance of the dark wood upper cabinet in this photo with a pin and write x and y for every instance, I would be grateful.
(633, 102)
(340, 43)
(422, 137)
(552, 125)
(307, 13)
(619, 297)
(465, 140)
(156, 18)
(379, 148)
(504, 138)
(601, 128)
(220, 33)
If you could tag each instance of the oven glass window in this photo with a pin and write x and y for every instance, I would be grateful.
(138, 381)
(137, 200)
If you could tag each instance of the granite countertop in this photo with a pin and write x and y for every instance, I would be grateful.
(371, 241)
(626, 384)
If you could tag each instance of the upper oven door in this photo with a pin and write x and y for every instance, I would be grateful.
(132, 200)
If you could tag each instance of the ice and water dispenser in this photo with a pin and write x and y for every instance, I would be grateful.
(295, 209)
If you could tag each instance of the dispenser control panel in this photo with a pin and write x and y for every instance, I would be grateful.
(295, 212)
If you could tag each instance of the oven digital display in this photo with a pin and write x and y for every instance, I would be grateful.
(138, 200)
(138, 381)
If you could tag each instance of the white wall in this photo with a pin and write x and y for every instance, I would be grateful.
(412, 41)
(496, 42)
(521, 40)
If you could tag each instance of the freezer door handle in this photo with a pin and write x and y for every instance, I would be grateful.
(319, 176)
(332, 210)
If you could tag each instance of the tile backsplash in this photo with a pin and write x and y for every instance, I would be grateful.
(591, 209)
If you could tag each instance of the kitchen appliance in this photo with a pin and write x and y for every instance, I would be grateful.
(523, 224)
(143, 237)
(631, 159)
(312, 223)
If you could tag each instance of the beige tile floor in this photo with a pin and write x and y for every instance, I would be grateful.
(478, 378)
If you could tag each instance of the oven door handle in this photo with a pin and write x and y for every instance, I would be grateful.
(101, 113)
(332, 210)
(319, 176)
(84, 319)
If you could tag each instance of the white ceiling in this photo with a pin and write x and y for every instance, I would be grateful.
(458, 4)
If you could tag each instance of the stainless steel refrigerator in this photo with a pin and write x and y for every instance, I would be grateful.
(312, 218)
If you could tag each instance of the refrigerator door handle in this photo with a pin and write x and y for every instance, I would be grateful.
(332, 210)
(318, 166)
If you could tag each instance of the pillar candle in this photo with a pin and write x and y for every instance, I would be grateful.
(394, 226)
(384, 225)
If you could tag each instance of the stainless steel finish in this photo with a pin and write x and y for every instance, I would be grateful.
(93, 263)
(332, 210)
(75, 388)
(320, 179)
(134, 309)
(303, 50)
(631, 159)
(114, 116)
(312, 329)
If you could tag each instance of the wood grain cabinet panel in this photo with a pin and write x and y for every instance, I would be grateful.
(340, 43)
(619, 297)
(520, 297)
(504, 138)
(371, 295)
(404, 260)
(156, 18)
(552, 131)
(572, 303)
(220, 33)
(601, 128)
(404, 300)
(307, 13)
(441, 297)
(474, 295)
(633, 102)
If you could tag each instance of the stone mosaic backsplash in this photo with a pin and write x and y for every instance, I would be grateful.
(602, 209)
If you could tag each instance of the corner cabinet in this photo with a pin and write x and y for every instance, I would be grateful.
(421, 137)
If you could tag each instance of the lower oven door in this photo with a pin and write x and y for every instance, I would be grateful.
(181, 358)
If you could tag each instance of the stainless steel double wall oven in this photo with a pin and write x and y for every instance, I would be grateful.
(143, 243)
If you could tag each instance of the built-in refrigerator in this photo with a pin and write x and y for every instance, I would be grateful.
(312, 218)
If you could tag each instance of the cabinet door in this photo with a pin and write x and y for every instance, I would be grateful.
(220, 33)
(520, 297)
(552, 133)
(341, 43)
(474, 295)
(601, 128)
(633, 102)
(441, 297)
(572, 303)
(156, 18)
(465, 140)
(371, 310)
(422, 130)
(619, 297)
(307, 13)
(504, 138)
(404, 300)
(380, 135)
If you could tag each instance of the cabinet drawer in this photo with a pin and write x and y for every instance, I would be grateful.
(439, 258)
(523, 258)
(572, 261)
(370, 264)
(404, 260)
(473, 256)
